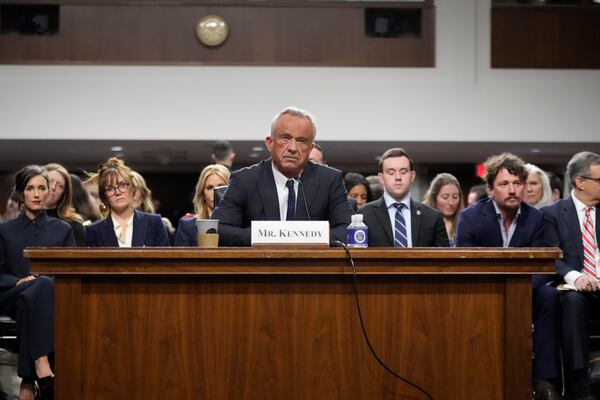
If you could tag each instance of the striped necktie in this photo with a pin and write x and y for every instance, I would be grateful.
(400, 239)
(589, 245)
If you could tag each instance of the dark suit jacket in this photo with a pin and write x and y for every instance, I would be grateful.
(427, 225)
(148, 230)
(187, 232)
(561, 229)
(252, 195)
(479, 226)
(19, 233)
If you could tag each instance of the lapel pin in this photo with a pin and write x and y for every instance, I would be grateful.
(418, 212)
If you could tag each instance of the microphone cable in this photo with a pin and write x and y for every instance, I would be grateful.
(337, 243)
(301, 186)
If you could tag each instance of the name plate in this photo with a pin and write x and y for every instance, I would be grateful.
(290, 232)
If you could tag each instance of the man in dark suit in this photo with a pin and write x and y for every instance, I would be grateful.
(284, 187)
(414, 224)
(504, 220)
(572, 225)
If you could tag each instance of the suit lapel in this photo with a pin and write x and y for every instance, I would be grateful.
(107, 230)
(306, 187)
(415, 222)
(489, 215)
(517, 237)
(570, 218)
(139, 230)
(268, 192)
(382, 214)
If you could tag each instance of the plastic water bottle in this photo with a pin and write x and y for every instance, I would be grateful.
(358, 233)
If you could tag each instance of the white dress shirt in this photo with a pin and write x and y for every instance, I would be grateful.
(282, 192)
(128, 232)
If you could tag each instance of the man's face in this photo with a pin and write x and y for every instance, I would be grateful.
(397, 176)
(590, 186)
(507, 190)
(291, 144)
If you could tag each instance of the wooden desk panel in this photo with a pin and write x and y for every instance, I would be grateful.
(292, 335)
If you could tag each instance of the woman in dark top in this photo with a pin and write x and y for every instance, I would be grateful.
(28, 298)
(124, 226)
(59, 203)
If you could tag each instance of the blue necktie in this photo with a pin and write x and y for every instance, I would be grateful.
(400, 239)
(291, 208)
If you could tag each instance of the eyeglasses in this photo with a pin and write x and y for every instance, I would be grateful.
(123, 187)
(597, 180)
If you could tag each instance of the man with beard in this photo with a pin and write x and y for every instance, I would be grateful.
(504, 220)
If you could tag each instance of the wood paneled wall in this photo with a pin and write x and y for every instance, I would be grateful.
(284, 32)
(546, 36)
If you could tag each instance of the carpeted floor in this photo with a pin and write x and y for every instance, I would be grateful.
(9, 381)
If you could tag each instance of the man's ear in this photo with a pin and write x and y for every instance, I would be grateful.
(269, 143)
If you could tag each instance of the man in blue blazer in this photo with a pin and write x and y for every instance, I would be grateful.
(422, 226)
(504, 220)
(285, 186)
(564, 225)
(148, 230)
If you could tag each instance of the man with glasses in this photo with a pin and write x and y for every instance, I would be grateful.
(572, 225)
(284, 187)
(396, 220)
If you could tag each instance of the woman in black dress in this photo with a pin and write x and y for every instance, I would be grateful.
(29, 298)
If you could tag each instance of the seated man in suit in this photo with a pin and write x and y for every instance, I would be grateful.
(284, 187)
(415, 224)
(572, 225)
(504, 220)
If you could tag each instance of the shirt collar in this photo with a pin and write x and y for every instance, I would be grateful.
(280, 179)
(579, 206)
(40, 220)
(498, 210)
(390, 201)
(116, 223)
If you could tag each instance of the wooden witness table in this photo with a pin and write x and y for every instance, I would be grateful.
(274, 323)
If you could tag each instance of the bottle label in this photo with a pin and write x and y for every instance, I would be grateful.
(358, 237)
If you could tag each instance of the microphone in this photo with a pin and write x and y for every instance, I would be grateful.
(301, 186)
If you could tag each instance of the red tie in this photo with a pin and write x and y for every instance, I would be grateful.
(589, 245)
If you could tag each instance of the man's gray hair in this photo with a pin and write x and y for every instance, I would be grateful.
(580, 164)
(295, 111)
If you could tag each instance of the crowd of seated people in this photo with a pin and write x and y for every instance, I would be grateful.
(519, 205)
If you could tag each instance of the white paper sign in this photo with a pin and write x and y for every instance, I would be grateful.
(290, 232)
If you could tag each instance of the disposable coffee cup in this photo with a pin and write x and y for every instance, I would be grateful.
(208, 235)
